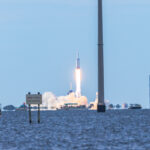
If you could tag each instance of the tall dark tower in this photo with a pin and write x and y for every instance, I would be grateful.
(101, 104)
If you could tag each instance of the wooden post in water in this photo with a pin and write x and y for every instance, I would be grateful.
(30, 120)
(38, 113)
(29, 105)
(35, 99)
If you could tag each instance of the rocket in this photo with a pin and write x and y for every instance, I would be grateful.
(78, 77)
(78, 62)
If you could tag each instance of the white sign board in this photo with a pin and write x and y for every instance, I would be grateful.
(33, 99)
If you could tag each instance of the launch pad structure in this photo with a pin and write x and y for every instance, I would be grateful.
(101, 104)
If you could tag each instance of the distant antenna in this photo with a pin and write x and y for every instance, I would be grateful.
(149, 91)
(71, 86)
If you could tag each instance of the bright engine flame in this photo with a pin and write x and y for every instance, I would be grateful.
(78, 82)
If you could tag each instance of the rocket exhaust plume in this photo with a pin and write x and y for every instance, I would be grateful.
(51, 102)
(78, 78)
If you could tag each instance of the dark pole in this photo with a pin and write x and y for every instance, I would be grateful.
(101, 105)
(0, 110)
(38, 113)
(149, 91)
(30, 121)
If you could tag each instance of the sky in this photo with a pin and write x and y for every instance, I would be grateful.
(39, 41)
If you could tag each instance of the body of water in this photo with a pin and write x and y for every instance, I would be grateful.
(76, 130)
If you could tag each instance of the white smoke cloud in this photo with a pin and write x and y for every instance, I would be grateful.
(52, 102)
(49, 100)
(94, 104)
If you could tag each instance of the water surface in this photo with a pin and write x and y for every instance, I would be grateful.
(76, 130)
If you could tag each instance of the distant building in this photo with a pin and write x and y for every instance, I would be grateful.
(22, 107)
(110, 106)
(9, 108)
(125, 106)
(118, 106)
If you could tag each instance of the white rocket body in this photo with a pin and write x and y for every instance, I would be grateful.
(78, 78)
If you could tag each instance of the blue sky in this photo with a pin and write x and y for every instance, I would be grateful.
(39, 40)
